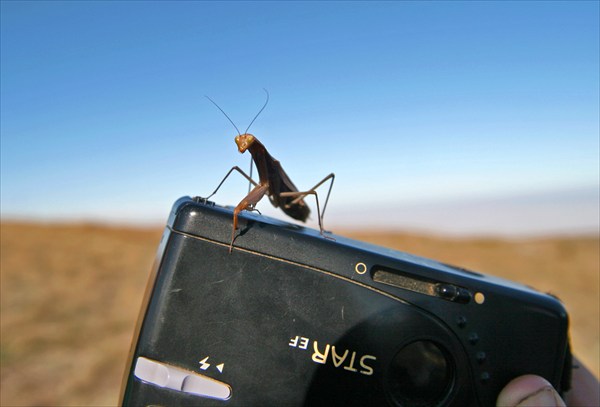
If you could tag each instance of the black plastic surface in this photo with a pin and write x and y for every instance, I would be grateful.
(284, 288)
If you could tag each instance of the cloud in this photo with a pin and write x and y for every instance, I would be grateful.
(568, 211)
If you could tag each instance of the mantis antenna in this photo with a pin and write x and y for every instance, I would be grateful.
(257, 114)
(248, 128)
(260, 111)
(222, 111)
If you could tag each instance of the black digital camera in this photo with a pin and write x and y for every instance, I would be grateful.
(291, 318)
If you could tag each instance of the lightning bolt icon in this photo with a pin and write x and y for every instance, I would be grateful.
(203, 364)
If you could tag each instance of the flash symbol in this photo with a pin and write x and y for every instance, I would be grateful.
(203, 364)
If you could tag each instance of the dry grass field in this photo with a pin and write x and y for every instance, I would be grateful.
(70, 295)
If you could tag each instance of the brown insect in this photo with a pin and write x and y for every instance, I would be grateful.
(273, 181)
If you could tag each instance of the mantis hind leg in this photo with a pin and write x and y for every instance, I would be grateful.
(238, 169)
(313, 191)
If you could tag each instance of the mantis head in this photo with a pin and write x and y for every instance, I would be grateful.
(244, 141)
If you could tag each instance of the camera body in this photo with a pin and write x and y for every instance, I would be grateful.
(292, 318)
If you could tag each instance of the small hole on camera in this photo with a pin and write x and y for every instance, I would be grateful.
(479, 298)
(360, 268)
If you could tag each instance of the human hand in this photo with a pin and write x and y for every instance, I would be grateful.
(531, 390)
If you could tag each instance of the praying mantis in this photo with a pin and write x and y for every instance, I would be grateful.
(273, 181)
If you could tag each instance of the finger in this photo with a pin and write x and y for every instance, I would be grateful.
(529, 390)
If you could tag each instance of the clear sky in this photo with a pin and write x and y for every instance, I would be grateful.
(103, 115)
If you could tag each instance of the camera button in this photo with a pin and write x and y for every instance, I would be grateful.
(175, 378)
(453, 293)
(153, 372)
(205, 386)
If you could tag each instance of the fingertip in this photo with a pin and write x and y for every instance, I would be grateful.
(529, 390)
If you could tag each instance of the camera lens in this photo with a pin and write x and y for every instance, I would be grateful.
(421, 374)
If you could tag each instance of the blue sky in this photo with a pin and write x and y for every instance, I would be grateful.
(103, 115)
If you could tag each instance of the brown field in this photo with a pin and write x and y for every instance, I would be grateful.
(70, 295)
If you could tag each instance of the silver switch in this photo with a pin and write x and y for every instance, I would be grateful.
(175, 378)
